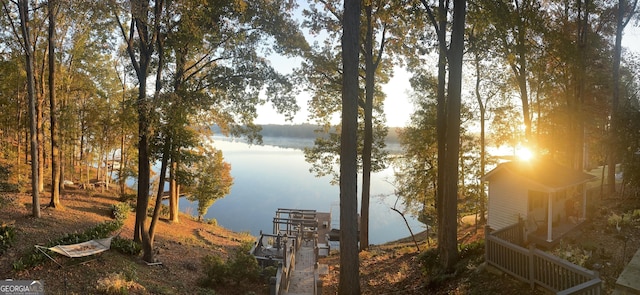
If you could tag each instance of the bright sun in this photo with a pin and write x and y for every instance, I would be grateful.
(524, 154)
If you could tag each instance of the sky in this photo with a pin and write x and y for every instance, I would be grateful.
(398, 107)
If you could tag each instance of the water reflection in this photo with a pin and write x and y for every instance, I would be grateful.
(267, 178)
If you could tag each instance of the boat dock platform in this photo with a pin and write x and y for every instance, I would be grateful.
(299, 238)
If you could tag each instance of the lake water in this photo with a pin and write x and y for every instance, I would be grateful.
(267, 178)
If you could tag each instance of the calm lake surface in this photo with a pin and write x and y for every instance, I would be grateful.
(267, 178)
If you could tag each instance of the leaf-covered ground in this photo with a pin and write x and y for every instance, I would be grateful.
(392, 268)
(395, 268)
(179, 246)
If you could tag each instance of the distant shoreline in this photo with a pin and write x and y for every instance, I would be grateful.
(307, 133)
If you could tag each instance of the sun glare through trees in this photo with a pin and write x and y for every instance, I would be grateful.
(523, 153)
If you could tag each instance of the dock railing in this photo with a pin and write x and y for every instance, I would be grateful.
(295, 226)
(285, 269)
(537, 267)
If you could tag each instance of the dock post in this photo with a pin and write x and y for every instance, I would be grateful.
(284, 252)
(272, 285)
(316, 249)
(319, 286)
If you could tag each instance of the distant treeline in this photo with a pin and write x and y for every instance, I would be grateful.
(306, 131)
(291, 131)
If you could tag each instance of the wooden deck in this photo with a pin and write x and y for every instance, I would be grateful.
(559, 231)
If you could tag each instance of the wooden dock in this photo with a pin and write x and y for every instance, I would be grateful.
(302, 238)
(304, 277)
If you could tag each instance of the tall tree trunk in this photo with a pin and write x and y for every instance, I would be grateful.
(55, 151)
(441, 122)
(143, 160)
(524, 92)
(144, 172)
(483, 108)
(23, 7)
(148, 256)
(577, 150)
(110, 168)
(368, 131)
(349, 261)
(18, 132)
(521, 70)
(158, 205)
(146, 45)
(81, 157)
(101, 157)
(449, 248)
(40, 129)
(27, 146)
(173, 192)
(121, 179)
(621, 23)
(61, 167)
(174, 196)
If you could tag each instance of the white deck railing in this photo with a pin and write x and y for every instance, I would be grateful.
(537, 267)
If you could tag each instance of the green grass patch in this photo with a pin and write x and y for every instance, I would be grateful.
(100, 231)
(7, 237)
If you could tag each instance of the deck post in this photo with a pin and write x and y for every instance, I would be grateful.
(275, 230)
(584, 201)
(550, 219)
(532, 273)
(487, 232)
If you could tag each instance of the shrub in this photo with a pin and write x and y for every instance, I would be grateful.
(433, 272)
(575, 255)
(6, 184)
(616, 220)
(429, 259)
(472, 250)
(7, 237)
(270, 271)
(164, 211)
(6, 201)
(120, 211)
(126, 198)
(635, 214)
(126, 246)
(215, 271)
(4, 173)
(9, 187)
(19, 264)
(240, 267)
(243, 265)
(117, 283)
